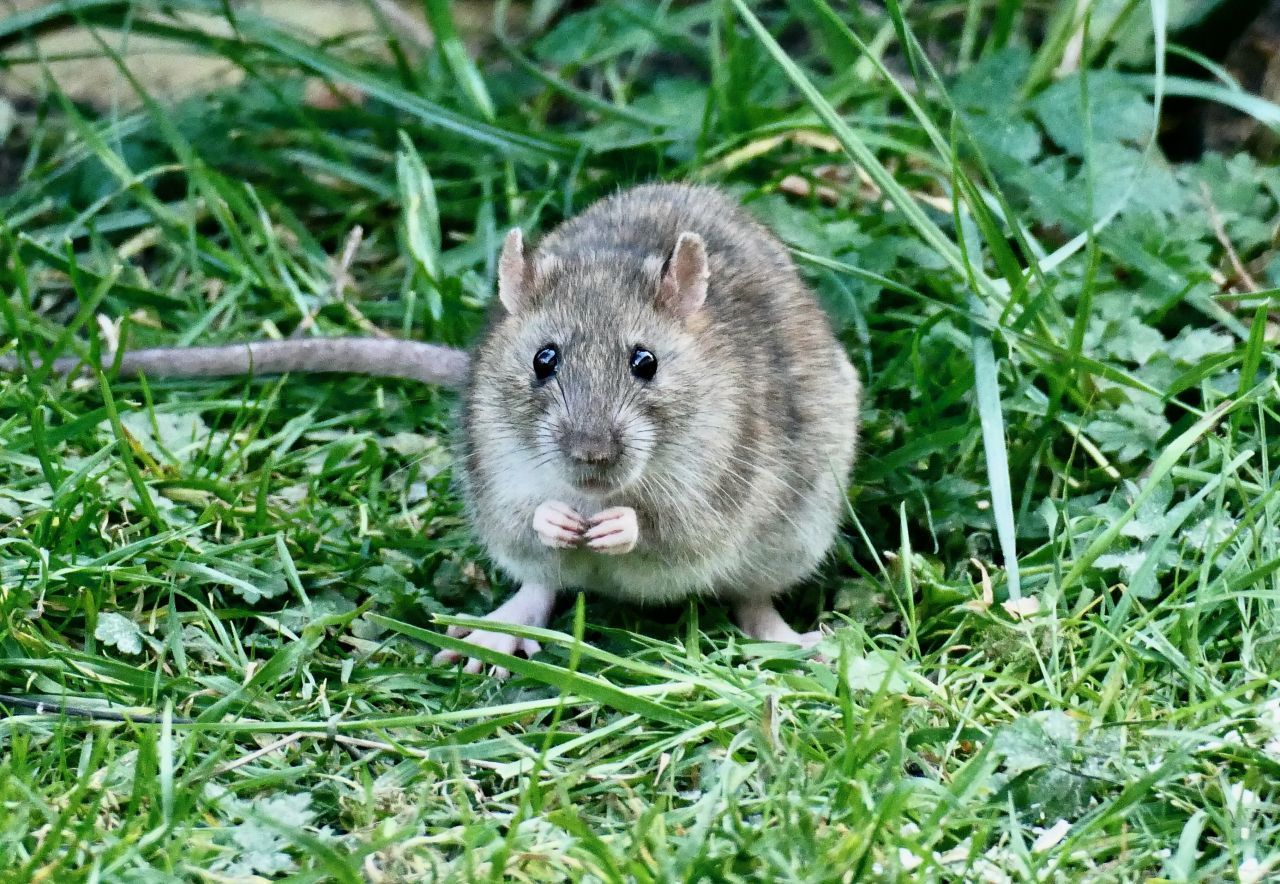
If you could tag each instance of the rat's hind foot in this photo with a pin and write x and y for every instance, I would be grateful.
(531, 606)
(494, 641)
(613, 531)
(557, 525)
(501, 642)
(760, 620)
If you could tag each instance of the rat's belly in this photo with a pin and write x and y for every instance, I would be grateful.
(635, 578)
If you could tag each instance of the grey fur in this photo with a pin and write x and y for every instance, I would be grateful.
(736, 454)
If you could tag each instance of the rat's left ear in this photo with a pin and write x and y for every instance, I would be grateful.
(511, 271)
(683, 286)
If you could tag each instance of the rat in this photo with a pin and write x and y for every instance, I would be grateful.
(657, 410)
(660, 411)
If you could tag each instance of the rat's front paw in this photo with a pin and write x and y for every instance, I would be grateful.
(494, 641)
(613, 531)
(557, 525)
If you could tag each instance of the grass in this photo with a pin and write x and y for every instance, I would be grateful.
(1069, 346)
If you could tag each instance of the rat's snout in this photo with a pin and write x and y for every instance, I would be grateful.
(593, 446)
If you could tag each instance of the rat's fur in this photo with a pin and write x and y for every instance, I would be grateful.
(736, 454)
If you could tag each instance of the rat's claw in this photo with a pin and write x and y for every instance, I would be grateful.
(613, 531)
(557, 525)
(496, 641)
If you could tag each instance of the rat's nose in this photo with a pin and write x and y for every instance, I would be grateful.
(594, 447)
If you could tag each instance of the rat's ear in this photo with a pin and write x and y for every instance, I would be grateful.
(683, 286)
(512, 278)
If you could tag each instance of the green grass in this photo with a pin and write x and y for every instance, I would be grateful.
(257, 573)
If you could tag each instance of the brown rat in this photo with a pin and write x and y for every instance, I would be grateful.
(660, 410)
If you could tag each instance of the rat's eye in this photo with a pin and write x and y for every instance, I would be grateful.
(643, 364)
(545, 362)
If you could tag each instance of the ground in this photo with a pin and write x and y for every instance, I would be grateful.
(1054, 611)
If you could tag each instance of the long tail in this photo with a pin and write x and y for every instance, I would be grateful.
(378, 357)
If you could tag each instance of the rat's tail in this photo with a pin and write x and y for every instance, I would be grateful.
(378, 357)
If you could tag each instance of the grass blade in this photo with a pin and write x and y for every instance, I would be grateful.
(986, 383)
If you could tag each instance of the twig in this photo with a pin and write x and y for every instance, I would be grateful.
(342, 279)
(1220, 232)
(361, 743)
(258, 753)
(342, 274)
(51, 707)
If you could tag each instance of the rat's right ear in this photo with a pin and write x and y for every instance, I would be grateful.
(512, 278)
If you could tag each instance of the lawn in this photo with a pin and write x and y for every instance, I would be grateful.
(1049, 235)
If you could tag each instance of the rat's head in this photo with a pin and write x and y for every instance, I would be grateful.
(595, 361)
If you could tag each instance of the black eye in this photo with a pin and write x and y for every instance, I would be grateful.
(643, 364)
(545, 362)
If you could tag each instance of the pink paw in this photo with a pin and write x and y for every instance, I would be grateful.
(494, 641)
(613, 531)
(557, 525)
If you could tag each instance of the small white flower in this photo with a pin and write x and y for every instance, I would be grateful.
(908, 860)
